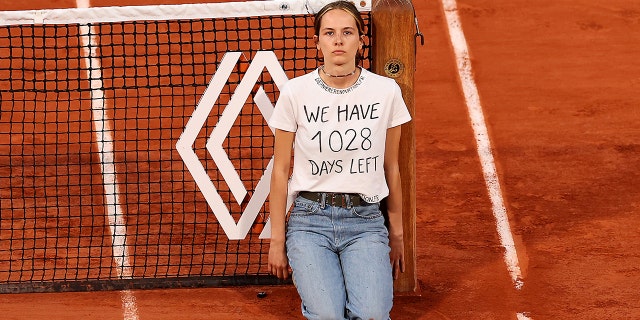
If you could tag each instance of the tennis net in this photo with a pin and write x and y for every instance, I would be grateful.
(133, 141)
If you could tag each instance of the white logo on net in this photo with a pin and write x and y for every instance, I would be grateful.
(184, 146)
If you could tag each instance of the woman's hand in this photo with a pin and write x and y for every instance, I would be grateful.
(394, 201)
(278, 263)
(397, 255)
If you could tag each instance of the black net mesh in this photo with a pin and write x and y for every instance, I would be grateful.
(93, 193)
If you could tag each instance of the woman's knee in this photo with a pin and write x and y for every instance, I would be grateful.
(324, 312)
(369, 312)
(371, 316)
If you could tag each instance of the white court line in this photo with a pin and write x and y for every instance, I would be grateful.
(523, 316)
(130, 307)
(470, 91)
(474, 107)
(104, 140)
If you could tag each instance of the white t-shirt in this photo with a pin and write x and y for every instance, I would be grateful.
(340, 133)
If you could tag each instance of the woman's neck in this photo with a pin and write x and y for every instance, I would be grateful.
(338, 76)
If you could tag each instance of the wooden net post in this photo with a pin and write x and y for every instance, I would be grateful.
(394, 55)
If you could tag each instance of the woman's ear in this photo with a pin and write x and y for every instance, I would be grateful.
(315, 40)
(361, 41)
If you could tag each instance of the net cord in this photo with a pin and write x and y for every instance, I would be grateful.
(167, 12)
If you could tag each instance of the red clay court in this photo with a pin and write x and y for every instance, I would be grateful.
(558, 85)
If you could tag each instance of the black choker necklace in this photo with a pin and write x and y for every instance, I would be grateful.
(339, 76)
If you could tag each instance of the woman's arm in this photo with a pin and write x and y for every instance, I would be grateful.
(394, 201)
(278, 263)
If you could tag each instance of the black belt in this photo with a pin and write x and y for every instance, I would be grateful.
(333, 199)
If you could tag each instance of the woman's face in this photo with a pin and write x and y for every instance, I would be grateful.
(338, 38)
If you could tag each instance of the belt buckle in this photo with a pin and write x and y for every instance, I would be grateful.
(331, 198)
(334, 201)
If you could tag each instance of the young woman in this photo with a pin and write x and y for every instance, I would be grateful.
(343, 123)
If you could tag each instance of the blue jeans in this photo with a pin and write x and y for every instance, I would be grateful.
(340, 261)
